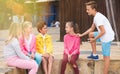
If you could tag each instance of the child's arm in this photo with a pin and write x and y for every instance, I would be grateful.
(102, 32)
(50, 46)
(18, 51)
(33, 50)
(76, 47)
(38, 45)
(88, 31)
(32, 55)
(65, 46)
(22, 46)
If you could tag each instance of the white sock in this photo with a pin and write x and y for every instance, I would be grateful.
(94, 54)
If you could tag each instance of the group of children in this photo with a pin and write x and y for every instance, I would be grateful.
(25, 50)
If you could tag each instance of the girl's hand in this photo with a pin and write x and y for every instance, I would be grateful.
(78, 34)
(46, 55)
(32, 56)
(28, 55)
(69, 57)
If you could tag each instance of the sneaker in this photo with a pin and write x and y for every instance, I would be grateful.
(90, 57)
(95, 58)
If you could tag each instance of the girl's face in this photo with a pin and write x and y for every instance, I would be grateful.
(68, 28)
(29, 29)
(43, 30)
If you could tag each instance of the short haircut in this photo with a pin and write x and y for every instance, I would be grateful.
(93, 4)
(40, 25)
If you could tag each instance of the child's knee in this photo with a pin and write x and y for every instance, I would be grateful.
(43, 59)
(91, 34)
(51, 59)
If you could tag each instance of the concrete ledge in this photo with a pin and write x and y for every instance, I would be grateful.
(88, 67)
(114, 67)
(4, 69)
(85, 67)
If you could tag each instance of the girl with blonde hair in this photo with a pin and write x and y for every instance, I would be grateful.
(28, 42)
(13, 54)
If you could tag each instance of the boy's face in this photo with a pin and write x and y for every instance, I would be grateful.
(90, 10)
(44, 30)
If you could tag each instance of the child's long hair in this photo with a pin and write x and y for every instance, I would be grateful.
(26, 24)
(74, 25)
(14, 31)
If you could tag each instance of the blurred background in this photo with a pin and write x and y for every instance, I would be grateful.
(59, 11)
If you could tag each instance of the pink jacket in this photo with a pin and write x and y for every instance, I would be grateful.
(71, 44)
(23, 45)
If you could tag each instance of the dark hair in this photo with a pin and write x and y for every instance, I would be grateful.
(40, 25)
(74, 25)
(93, 4)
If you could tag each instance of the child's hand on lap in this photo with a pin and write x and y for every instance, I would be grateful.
(32, 56)
(46, 55)
(69, 57)
(28, 55)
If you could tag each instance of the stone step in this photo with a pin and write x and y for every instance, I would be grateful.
(6, 70)
(85, 67)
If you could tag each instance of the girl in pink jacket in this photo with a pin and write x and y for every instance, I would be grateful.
(28, 43)
(12, 52)
(71, 47)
